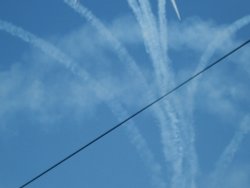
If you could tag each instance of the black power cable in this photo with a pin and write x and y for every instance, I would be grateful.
(133, 115)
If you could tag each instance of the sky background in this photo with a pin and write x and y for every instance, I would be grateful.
(65, 79)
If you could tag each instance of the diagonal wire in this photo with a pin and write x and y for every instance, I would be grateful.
(135, 114)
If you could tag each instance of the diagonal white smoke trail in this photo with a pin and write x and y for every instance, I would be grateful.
(163, 25)
(227, 156)
(104, 31)
(176, 9)
(147, 22)
(141, 145)
(122, 53)
(156, 48)
(186, 140)
(218, 41)
(44, 46)
(117, 109)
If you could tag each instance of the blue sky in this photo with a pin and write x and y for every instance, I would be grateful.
(67, 74)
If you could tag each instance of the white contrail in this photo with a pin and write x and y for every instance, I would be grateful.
(163, 25)
(187, 129)
(122, 53)
(105, 32)
(176, 9)
(44, 46)
(159, 59)
(118, 111)
(217, 42)
(213, 46)
(227, 156)
(141, 145)
(150, 32)
(147, 22)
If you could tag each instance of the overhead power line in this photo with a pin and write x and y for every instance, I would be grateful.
(133, 115)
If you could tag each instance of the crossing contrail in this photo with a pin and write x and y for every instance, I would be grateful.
(105, 32)
(116, 108)
(217, 42)
(153, 43)
(119, 49)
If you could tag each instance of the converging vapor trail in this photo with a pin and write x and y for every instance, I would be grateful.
(155, 40)
(120, 50)
(124, 56)
(216, 44)
(117, 109)
(118, 47)
(230, 151)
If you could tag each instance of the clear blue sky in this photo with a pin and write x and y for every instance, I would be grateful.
(199, 137)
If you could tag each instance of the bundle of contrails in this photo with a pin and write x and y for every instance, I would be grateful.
(176, 129)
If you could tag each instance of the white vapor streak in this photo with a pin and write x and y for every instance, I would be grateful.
(95, 22)
(152, 39)
(176, 9)
(217, 42)
(187, 128)
(227, 156)
(55, 53)
(163, 25)
(141, 145)
(213, 46)
(164, 77)
(122, 52)
(44, 46)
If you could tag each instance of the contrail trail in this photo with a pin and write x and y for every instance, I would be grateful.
(43, 46)
(227, 156)
(55, 53)
(105, 32)
(217, 42)
(146, 19)
(120, 50)
(141, 145)
(163, 25)
(187, 128)
(159, 58)
(122, 53)
(176, 9)
(211, 49)
(147, 22)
